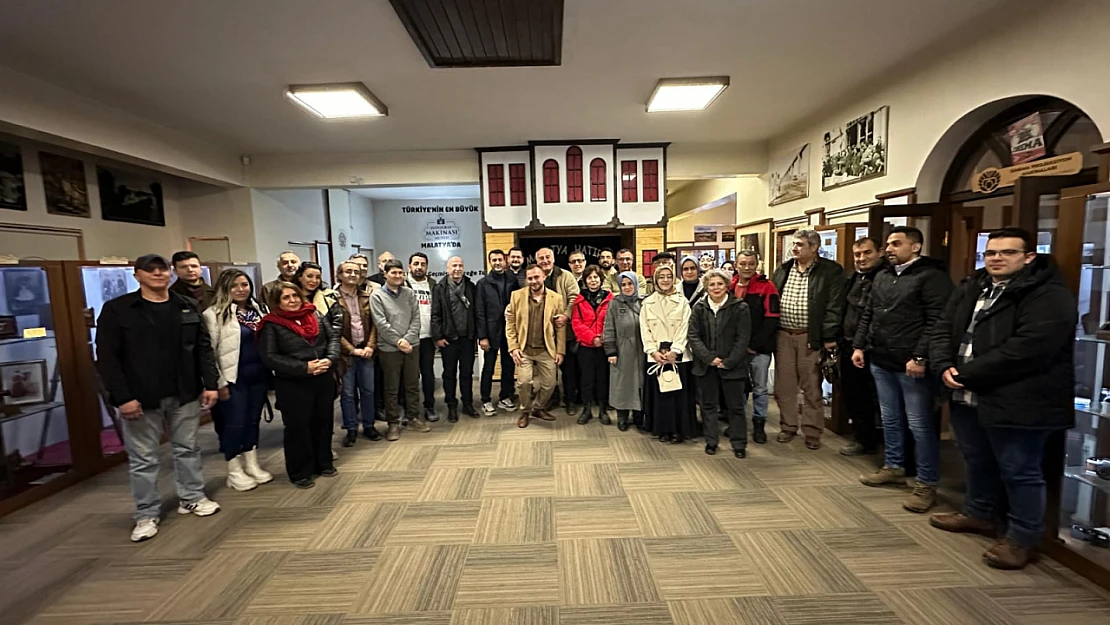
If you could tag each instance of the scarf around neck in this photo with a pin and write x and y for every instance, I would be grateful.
(594, 297)
(248, 317)
(302, 321)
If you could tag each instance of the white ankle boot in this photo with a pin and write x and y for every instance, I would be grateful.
(237, 478)
(250, 463)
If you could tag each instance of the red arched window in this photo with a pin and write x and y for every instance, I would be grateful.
(550, 181)
(597, 180)
(628, 182)
(518, 194)
(651, 181)
(495, 182)
(574, 174)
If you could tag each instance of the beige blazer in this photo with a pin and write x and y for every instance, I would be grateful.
(516, 321)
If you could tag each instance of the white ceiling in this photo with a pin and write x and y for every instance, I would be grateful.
(425, 192)
(217, 68)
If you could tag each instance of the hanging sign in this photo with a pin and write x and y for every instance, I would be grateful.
(993, 178)
(1026, 140)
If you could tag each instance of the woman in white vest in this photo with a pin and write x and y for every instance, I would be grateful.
(664, 325)
(232, 322)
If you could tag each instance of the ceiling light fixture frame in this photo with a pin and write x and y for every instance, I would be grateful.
(360, 88)
(722, 81)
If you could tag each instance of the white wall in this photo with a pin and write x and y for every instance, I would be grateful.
(210, 211)
(1002, 58)
(284, 216)
(362, 223)
(404, 232)
(102, 238)
(720, 213)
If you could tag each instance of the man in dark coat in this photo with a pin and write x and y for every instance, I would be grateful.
(454, 329)
(857, 387)
(493, 296)
(906, 301)
(1004, 347)
(811, 304)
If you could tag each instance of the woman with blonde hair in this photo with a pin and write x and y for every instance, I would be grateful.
(232, 322)
(664, 326)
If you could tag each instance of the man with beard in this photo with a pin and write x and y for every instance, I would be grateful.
(454, 329)
(907, 299)
(626, 261)
(422, 286)
(363, 264)
(493, 295)
(562, 282)
(608, 263)
(287, 263)
(535, 329)
(857, 386)
(516, 265)
(190, 279)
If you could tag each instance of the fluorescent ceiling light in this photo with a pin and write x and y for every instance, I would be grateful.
(337, 101)
(686, 94)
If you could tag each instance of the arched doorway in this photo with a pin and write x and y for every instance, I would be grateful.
(956, 223)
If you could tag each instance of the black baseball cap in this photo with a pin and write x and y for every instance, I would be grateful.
(145, 263)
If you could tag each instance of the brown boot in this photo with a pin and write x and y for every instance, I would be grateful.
(394, 432)
(418, 425)
(522, 421)
(885, 475)
(921, 499)
(1009, 556)
(960, 523)
(785, 437)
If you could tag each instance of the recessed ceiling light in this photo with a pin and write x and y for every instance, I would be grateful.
(337, 101)
(686, 94)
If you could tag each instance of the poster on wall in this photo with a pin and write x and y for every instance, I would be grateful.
(705, 234)
(129, 197)
(13, 196)
(1026, 140)
(439, 230)
(788, 179)
(63, 179)
(828, 245)
(856, 150)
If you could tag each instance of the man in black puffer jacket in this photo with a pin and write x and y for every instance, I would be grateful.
(907, 299)
(1005, 348)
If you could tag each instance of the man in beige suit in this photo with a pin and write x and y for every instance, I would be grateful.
(536, 342)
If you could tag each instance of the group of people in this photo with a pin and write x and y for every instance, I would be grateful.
(601, 337)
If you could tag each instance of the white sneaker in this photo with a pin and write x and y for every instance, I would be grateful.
(489, 409)
(145, 529)
(201, 507)
(507, 404)
(334, 455)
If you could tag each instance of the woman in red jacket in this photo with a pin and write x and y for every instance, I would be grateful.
(588, 321)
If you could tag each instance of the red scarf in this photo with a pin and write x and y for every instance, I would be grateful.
(302, 321)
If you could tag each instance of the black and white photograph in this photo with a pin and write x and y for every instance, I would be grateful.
(23, 382)
(788, 177)
(856, 150)
(13, 195)
(63, 179)
(24, 290)
(129, 197)
(751, 242)
(113, 283)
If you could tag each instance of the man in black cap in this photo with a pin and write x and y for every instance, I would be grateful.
(155, 360)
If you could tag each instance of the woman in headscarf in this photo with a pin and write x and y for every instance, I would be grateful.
(624, 346)
(664, 326)
(587, 319)
(692, 287)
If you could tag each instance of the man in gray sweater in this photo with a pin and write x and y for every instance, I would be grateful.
(397, 318)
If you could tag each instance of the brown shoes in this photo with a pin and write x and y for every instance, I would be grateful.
(393, 433)
(543, 414)
(884, 476)
(522, 420)
(960, 523)
(418, 425)
(921, 499)
(1009, 556)
(786, 437)
(813, 443)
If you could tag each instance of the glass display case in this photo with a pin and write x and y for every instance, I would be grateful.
(1084, 497)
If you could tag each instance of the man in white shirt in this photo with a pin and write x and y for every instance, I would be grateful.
(421, 285)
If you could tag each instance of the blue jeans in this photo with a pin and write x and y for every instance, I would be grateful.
(236, 420)
(904, 399)
(142, 439)
(758, 367)
(1003, 460)
(359, 374)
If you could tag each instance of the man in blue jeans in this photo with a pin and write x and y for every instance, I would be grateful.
(156, 363)
(906, 301)
(762, 298)
(358, 338)
(1004, 347)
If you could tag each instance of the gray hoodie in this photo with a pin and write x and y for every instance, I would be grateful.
(396, 317)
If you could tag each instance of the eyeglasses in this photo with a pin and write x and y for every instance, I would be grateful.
(1006, 253)
(578, 260)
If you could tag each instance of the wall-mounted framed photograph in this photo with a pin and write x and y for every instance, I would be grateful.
(129, 197)
(9, 329)
(63, 179)
(24, 290)
(855, 151)
(23, 382)
(13, 194)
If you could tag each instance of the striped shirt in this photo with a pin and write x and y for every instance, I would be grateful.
(794, 302)
(986, 299)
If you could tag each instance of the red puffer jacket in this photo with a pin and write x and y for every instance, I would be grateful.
(588, 322)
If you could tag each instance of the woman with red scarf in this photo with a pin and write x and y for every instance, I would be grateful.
(302, 349)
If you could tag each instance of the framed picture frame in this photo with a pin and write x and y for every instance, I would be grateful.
(25, 290)
(756, 236)
(23, 382)
(855, 150)
(131, 198)
(63, 179)
(9, 329)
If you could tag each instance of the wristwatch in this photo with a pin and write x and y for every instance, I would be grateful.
(917, 360)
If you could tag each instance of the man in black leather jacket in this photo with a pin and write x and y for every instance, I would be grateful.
(493, 296)
(857, 386)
